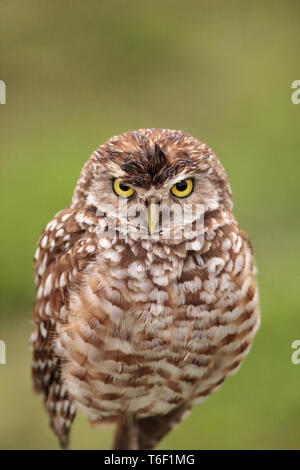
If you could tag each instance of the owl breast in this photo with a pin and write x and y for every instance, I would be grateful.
(150, 328)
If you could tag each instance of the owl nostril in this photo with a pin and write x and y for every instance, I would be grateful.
(151, 200)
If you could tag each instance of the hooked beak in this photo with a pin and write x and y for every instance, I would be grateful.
(153, 215)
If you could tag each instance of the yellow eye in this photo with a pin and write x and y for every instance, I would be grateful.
(183, 188)
(122, 189)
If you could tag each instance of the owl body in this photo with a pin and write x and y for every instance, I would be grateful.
(135, 331)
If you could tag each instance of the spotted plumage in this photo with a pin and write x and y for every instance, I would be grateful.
(134, 331)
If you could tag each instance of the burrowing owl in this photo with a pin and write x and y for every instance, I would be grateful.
(134, 323)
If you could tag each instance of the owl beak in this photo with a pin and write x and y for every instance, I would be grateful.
(153, 215)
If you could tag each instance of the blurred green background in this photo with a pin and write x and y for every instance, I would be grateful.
(79, 72)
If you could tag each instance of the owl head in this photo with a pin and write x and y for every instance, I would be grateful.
(153, 183)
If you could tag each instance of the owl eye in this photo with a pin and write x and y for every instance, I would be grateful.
(183, 188)
(122, 189)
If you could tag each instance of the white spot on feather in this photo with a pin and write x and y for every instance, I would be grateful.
(43, 330)
(215, 265)
(62, 281)
(136, 269)
(48, 285)
(44, 241)
(37, 253)
(40, 292)
(60, 233)
(226, 245)
(65, 217)
(47, 309)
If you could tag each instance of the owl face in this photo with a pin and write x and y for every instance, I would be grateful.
(155, 184)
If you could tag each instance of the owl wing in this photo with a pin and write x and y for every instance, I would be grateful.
(228, 301)
(65, 248)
